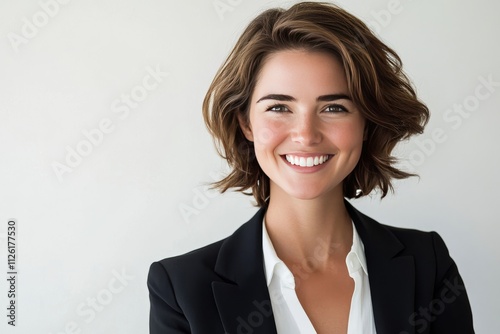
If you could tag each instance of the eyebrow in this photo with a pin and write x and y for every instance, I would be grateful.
(322, 98)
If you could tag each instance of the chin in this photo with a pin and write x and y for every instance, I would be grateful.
(305, 190)
(308, 193)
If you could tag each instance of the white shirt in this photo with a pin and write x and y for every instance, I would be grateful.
(289, 316)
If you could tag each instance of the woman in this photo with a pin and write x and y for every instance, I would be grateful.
(306, 110)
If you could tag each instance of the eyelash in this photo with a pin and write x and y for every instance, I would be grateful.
(277, 105)
(338, 107)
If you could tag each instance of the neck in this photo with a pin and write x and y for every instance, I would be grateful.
(313, 227)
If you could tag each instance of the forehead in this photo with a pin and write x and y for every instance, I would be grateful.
(300, 72)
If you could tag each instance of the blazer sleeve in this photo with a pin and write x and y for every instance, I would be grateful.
(449, 311)
(166, 316)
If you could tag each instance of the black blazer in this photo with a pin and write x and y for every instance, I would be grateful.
(221, 288)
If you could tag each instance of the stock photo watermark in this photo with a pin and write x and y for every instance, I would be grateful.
(222, 7)
(429, 313)
(200, 201)
(88, 310)
(12, 272)
(121, 106)
(31, 26)
(378, 20)
(382, 18)
(255, 318)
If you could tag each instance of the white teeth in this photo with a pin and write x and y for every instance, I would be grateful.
(306, 162)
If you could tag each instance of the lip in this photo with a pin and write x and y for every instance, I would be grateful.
(312, 169)
(306, 155)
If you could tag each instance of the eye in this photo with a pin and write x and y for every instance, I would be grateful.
(335, 108)
(278, 108)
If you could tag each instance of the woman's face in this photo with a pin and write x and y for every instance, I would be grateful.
(307, 132)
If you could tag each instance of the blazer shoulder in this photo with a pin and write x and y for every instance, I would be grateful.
(204, 259)
(427, 247)
(193, 261)
(410, 236)
(418, 239)
(178, 285)
(423, 245)
(415, 240)
(174, 281)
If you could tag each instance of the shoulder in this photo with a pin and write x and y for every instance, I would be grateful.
(176, 281)
(419, 242)
(433, 264)
(196, 270)
(414, 239)
(180, 290)
(206, 257)
(428, 249)
(408, 239)
(178, 284)
(191, 264)
(199, 264)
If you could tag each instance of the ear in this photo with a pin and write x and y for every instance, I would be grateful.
(245, 126)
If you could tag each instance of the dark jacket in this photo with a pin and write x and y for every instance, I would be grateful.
(221, 288)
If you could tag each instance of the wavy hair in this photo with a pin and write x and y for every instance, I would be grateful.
(376, 82)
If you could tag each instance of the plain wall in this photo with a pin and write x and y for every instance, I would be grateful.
(89, 228)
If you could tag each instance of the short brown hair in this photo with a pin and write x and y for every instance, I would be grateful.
(376, 81)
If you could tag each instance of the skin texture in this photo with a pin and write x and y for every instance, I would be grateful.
(301, 106)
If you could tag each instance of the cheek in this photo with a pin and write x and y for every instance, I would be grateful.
(267, 132)
(349, 136)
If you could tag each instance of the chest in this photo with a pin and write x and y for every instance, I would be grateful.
(326, 299)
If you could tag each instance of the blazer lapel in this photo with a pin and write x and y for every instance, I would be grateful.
(242, 296)
(392, 277)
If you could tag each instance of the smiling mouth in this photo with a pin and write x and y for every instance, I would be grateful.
(307, 161)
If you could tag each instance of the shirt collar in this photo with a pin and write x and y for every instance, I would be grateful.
(358, 249)
(271, 259)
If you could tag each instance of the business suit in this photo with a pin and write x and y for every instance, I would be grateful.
(221, 288)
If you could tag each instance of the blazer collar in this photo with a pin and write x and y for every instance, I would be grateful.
(242, 295)
(391, 275)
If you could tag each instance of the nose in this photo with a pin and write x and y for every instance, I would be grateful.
(306, 130)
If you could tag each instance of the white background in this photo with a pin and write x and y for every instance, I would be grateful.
(91, 234)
